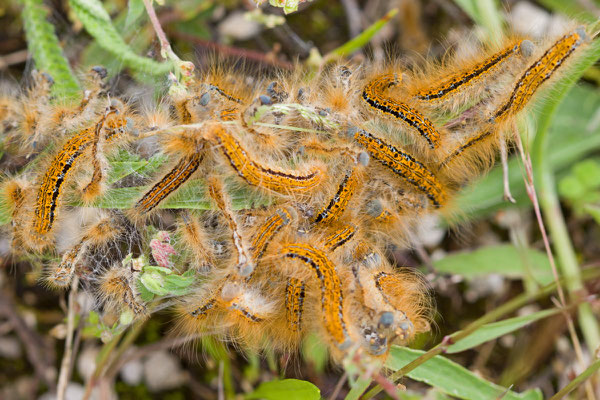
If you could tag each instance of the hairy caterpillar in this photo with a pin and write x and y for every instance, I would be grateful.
(331, 289)
(118, 286)
(196, 239)
(539, 72)
(259, 175)
(473, 73)
(402, 164)
(95, 235)
(338, 203)
(245, 264)
(169, 183)
(294, 303)
(61, 167)
(373, 95)
(328, 215)
(267, 231)
(339, 237)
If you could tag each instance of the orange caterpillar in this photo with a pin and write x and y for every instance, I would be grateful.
(373, 95)
(538, 73)
(245, 263)
(403, 164)
(180, 173)
(346, 162)
(474, 73)
(295, 292)
(332, 298)
(118, 288)
(62, 165)
(259, 175)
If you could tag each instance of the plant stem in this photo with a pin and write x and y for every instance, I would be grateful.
(125, 344)
(577, 381)
(561, 295)
(65, 365)
(165, 46)
(101, 361)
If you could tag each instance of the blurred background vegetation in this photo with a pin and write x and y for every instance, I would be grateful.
(492, 257)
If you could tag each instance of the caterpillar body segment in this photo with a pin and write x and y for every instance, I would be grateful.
(61, 168)
(222, 92)
(340, 200)
(332, 298)
(246, 304)
(229, 114)
(260, 175)
(479, 149)
(92, 189)
(295, 293)
(471, 76)
(61, 275)
(374, 96)
(380, 211)
(538, 73)
(202, 311)
(197, 241)
(118, 287)
(266, 233)
(169, 183)
(404, 165)
(14, 192)
(99, 234)
(339, 237)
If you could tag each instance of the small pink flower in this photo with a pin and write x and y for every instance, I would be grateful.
(162, 249)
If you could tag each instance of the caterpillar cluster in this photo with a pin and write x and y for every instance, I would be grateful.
(345, 161)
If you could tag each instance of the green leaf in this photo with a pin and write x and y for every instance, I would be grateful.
(154, 283)
(145, 294)
(175, 291)
(43, 44)
(288, 389)
(588, 173)
(505, 260)
(453, 379)
(125, 164)
(135, 9)
(362, 39)
(593, 211)
(571, 188)
(93, 318)
(133, 34)
(485, 13)
(570, 8)
(97, 23)
(496, 329)
(178, 281)
(192, 196)
(156, 268)
(189, 272)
